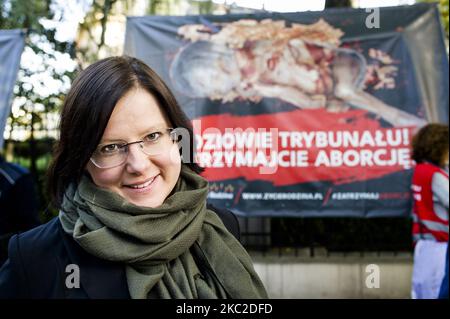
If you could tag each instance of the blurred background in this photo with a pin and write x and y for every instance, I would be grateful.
(64, 36)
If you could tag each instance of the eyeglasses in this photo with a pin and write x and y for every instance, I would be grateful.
(115, 154)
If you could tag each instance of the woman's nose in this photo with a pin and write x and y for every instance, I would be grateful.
(137, 160)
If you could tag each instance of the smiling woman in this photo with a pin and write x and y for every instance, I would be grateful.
(133, 216)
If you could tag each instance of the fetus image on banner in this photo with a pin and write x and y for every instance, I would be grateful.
(304, 65)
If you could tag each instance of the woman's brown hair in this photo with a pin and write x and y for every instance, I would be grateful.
(430, 144)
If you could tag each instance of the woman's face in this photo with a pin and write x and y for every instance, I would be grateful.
(142, 180)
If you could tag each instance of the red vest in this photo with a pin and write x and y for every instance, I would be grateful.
(426, 224)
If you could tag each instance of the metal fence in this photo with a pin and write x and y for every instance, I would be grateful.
(326, 236)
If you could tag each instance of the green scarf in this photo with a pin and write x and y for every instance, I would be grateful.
(177, 250)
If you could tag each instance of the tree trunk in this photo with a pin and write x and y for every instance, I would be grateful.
(32, 143)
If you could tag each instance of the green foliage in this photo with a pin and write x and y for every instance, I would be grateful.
(40, 85)
(204, 7)
(163, 7)
(22, 14)
(97, 16)
(91, 44)
(34, 98)
(443, 9)
(22, 150)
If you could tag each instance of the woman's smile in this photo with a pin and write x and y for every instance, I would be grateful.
(142, 187)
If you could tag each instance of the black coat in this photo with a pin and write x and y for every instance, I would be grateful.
(38, 258)
(18, 203)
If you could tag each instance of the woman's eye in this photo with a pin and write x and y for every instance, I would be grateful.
(110, 148)
(152, 137)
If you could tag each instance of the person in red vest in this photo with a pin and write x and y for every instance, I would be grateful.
(430, 213)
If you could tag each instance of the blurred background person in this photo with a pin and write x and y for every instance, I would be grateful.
(430, 213)
(18, 203)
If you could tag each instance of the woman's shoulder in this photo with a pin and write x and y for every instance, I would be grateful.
(229, 220)
(39, 240)
(427, 168)
(37, 262)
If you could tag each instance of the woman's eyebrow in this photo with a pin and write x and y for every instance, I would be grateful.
(150, 129)
(154, 128)
(107, 141)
